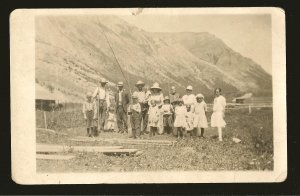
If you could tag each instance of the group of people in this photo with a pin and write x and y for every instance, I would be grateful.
(152, 113)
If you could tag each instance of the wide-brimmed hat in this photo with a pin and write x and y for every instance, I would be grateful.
(120, 84)
(103, 81)
(155, 86)
(189, 88)
(199, 95)
(140, 83)
(166, 98)
(173, 88)
(89, 94)
(180, 100)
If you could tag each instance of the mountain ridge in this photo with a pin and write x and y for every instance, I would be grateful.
(72, 54)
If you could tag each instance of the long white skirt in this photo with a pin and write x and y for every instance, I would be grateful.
(217, 119)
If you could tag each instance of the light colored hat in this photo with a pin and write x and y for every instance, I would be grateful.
(155, 86)
(103, 80)
(173, 88)
(199, 95)
(166, 98)
(89, 94)
(120, 84)
(189, 88)
(140, 83)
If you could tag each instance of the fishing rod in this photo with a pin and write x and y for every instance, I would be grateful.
(116, 60)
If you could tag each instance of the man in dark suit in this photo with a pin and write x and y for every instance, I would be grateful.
(122, 101)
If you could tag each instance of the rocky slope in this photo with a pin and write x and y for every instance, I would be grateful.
(72, 53)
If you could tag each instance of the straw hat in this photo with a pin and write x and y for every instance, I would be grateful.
(199, 95)
(155, 86)
(103, 81)
(120, 84)
(140, 83)
(189, 88)
(173, 88)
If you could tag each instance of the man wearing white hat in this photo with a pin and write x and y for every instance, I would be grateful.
(189, 98)
(122, 101)
(102, 96)
(142, 99)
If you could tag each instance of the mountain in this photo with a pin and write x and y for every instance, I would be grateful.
(74, 52)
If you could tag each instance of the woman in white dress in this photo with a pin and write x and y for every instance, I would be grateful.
(200, 120)
(157, 96)
(217, 117)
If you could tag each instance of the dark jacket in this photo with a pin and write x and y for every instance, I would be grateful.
(125, 100)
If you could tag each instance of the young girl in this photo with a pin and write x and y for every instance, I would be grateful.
(217, 118)
(189, 120)
(168, 111)
(153, 120)
(111, 120)
(180, 119)
(200, 121)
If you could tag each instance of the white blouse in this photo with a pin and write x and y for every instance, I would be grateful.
(189, 99)
(219, 104)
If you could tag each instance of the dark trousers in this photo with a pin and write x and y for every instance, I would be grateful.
(121, 119)
(144, 117)
(102, 113)
(135, 120)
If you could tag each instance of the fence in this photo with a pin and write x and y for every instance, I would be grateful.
(70, 115)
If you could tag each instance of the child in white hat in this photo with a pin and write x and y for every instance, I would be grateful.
(200, 120)
(89, 110)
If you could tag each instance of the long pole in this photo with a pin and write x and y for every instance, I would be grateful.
(117, 61)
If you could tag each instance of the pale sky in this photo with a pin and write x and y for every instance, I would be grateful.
(250, 35)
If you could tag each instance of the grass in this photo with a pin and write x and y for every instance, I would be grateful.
(255, 152)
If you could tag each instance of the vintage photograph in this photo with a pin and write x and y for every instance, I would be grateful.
(151, 92)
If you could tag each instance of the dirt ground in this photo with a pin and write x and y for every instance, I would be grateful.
(254, 152)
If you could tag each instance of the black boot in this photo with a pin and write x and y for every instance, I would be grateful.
(87, 131)
(202, 133)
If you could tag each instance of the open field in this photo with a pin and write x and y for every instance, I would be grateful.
(254, 152)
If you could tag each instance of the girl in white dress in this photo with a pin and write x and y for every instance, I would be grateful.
(200, 121)
(111, 120)
(189, 120)
(153, 118)
(180, 119)
(217, 118)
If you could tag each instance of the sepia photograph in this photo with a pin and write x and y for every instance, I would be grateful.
(153, 91)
